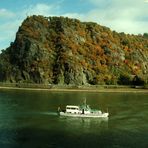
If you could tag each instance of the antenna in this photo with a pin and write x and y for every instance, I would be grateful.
(107, 109)
(84, 101)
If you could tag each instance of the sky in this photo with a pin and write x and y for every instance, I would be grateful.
(129, 16)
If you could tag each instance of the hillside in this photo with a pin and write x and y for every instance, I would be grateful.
(58, 50)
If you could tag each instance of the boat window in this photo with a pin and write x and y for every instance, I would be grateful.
(72, 108)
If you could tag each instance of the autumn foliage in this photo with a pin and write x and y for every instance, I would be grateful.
(60, 50)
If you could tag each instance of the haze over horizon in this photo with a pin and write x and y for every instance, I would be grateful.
(121, 16)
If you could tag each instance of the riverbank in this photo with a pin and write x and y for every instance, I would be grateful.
(80, 90)
(64, 88)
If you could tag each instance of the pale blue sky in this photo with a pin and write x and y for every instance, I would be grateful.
(129, 16)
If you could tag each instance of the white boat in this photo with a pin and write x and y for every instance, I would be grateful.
(82, 111)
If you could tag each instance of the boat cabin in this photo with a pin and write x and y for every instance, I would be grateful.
(72, 109)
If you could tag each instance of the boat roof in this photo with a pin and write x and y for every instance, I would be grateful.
(72, 106)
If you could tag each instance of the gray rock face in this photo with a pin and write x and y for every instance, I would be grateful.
(57, 50)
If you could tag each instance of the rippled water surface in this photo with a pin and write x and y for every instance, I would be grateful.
(28, 119)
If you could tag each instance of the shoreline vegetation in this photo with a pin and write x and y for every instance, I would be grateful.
(88, 88)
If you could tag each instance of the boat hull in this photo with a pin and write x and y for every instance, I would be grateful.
(102, 115)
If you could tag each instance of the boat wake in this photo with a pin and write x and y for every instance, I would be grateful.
(49, 113)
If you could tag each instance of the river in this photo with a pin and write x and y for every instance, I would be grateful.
(28, 119)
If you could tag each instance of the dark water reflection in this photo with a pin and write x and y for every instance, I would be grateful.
(29, 119)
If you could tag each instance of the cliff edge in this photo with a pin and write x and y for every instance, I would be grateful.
(58, 50)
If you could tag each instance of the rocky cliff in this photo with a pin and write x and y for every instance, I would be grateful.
(58, 50)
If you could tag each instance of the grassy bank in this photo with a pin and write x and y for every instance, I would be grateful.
(91, 88)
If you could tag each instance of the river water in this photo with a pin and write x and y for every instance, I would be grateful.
(28, 119)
